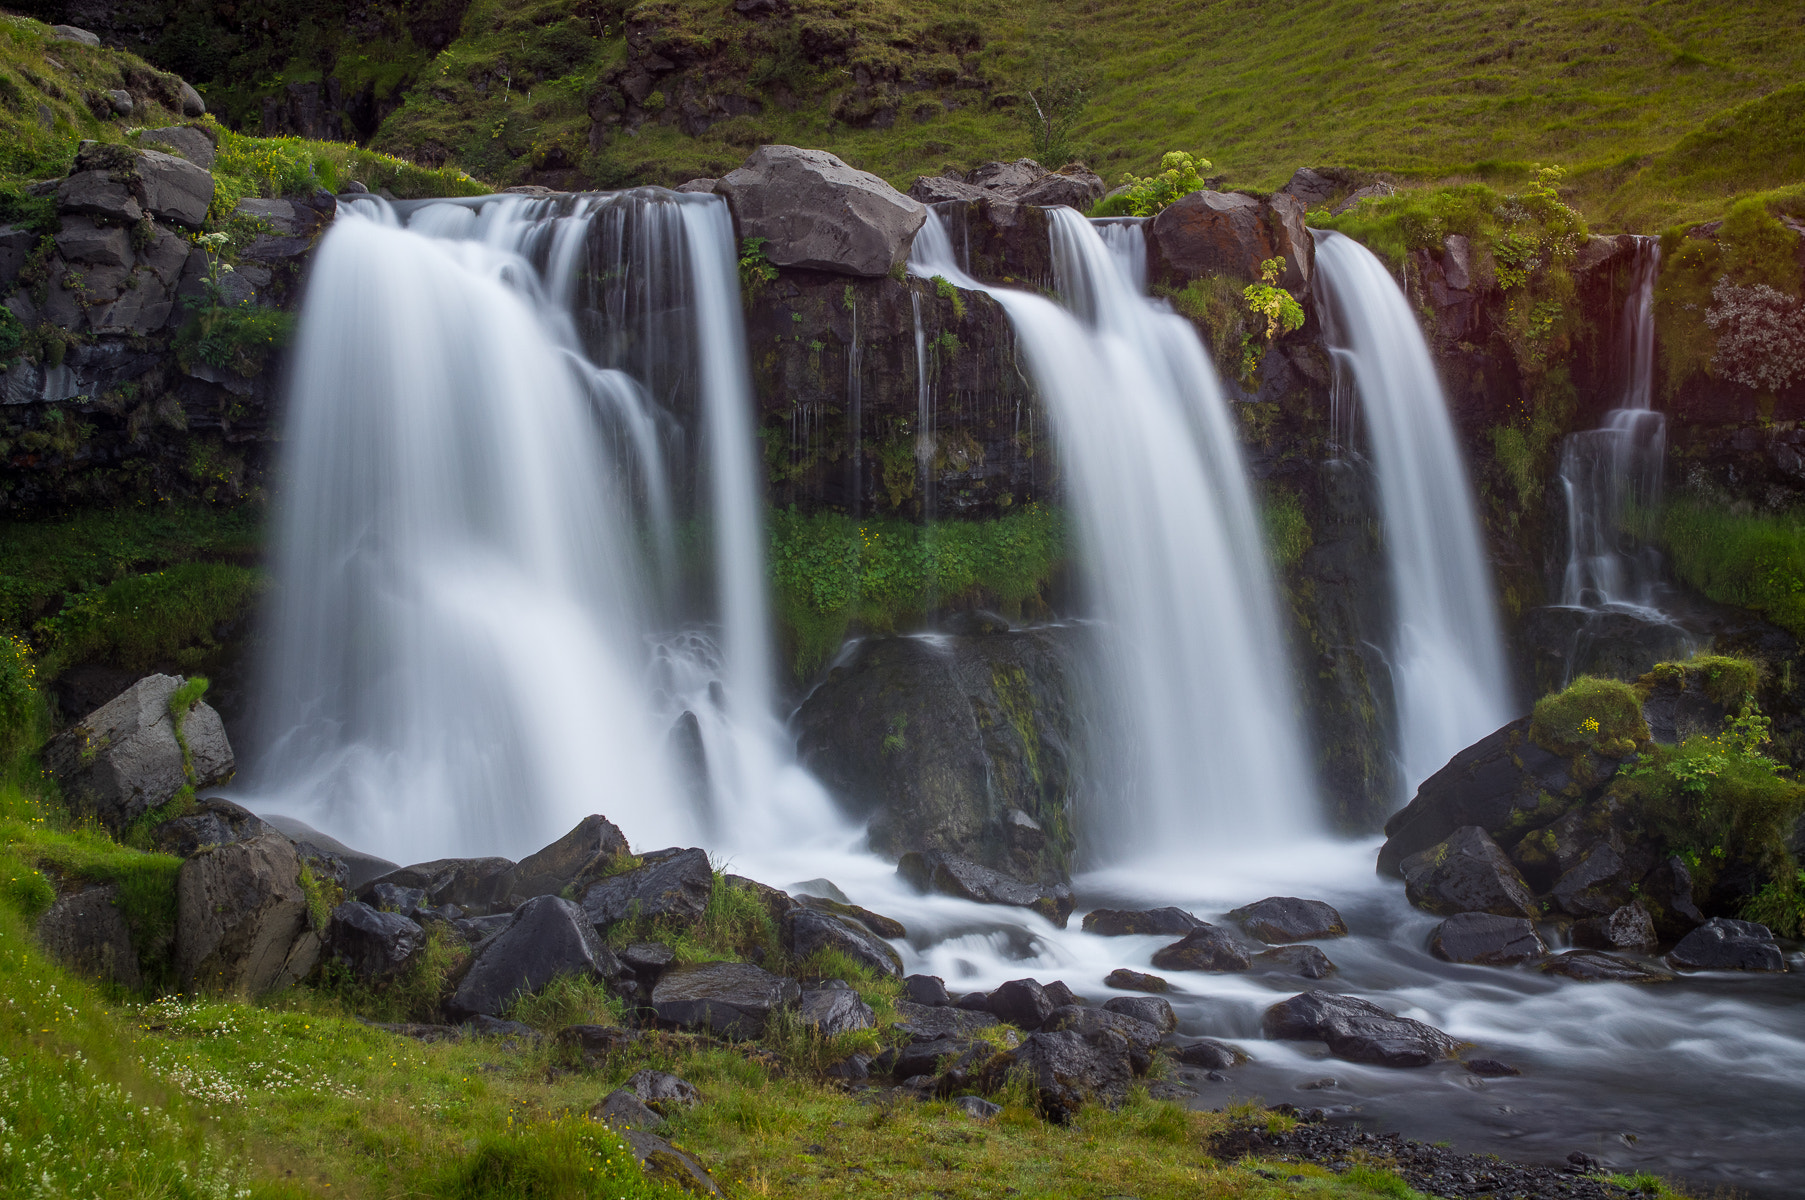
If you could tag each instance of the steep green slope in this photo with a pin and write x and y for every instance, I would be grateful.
(1660, 111)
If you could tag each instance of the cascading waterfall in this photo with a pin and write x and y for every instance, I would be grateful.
(1447, 658)
(481, 631)
(1610, 473)
(1196, 675)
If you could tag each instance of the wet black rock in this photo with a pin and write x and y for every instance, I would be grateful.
(950, 875)
(212, 822)
(1305, 961)
(1595, 966)
(1021, 1002)
(852, 1068)
(1357, 1030)
(1629, 928)
(1100, 1025)
(809, 930)
(1279, 919)
(1667, 892)
(648, 960)
(1206, 948)
(1487, 940)
(374, 945)
(1060, 994)
(547, 937)
(832, 1011)
(1135, 981)
(1604, 879)
(926, 989)
(1721, 944)
(1152, 1009)
(1209, 1055)
(477, 885)
(676, 887)
(730, 999)
(1119, 922)
(938, 1057)
(878, 923)
(1490, 1068)
(393, 898)
(1066, 1069)
(1466, 873)
(924, 1023)
(578, 856)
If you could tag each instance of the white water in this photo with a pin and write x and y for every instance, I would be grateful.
(1609, 471)
(1208, 756)
(1447, 659)
(479, 633)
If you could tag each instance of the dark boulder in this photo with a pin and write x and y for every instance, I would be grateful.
(1628, 928)
(1307, 961)
(477, 885)
(1060, 994)
(392, 898)
(1208, 1054)
(1066, 1070)
(314, 846)
(878, 923)
(647, 960)
(1466, 873)
(1211, 233)
(1487, 940)
(1667, 892)
(938, 1057)
(1207, 948)
(1154, 1010)
(922, 1023)
(1604, 879)
(814, 211)
(730, 999)
(242, 920)
(1020, 1002)
(1278, 919)
(810, 931)
(676, 887)
(86, 932)
(1721, 944)
(1502, 781)
(1357, 1030)
(583, 853)
(1594, 966)
(950, 875)
(1119, 922)
(548, 937)
(1101, 1026)
(831, 1011)
(977, 1108)
(960, 746)
(1135, 981)
(373, 945)
(926, 989)
(212, 822)
(666, 1164)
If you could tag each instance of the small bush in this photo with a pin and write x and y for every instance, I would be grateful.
(1590, 714)
(1180, 174)
(567, 1159)
(567, 1000)
(1780, 904)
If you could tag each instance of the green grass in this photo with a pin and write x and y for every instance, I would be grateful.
(1589, 714)
(830, 570)
(164, 617)
(1755, 560)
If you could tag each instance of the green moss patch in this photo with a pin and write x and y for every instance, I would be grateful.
(830, 570)
(1590, 714)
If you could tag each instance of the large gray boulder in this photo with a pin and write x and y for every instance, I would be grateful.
(1206, 948)
(122, 183)
(810, 930)
(1721, 944)
(951, 875)
(123, 759)
(373, 945)
(86, 932)
(212, 822)
(476, 885)
(1067, 1069)
(1154, 1010)
(831, 1011)
(548, 937)
(183, 140)
(730, 999)
(1098, 1025)
(1486, 939)
(1278, 919)
(583, 852)
(241, 919)
(1357, 1030)
(815, 211)
(929, 1023)
(174, 189)
(676, 887)
(1467, 873)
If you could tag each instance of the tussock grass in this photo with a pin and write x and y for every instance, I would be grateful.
(1755, 560)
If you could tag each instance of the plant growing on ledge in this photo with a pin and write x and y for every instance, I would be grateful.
(1281, 311)
(229, 337)
(756, 271)
(1180, 174)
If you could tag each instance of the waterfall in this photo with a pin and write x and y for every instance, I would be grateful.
(1196, 678)
(482, 628)
(1447, 657)
(1611, 473)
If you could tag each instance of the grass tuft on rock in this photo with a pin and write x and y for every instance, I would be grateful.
(1590, 714)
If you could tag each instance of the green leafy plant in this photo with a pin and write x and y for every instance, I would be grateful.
(756, 271)
(1179, 175)
(944, 289)
(1274, 305)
